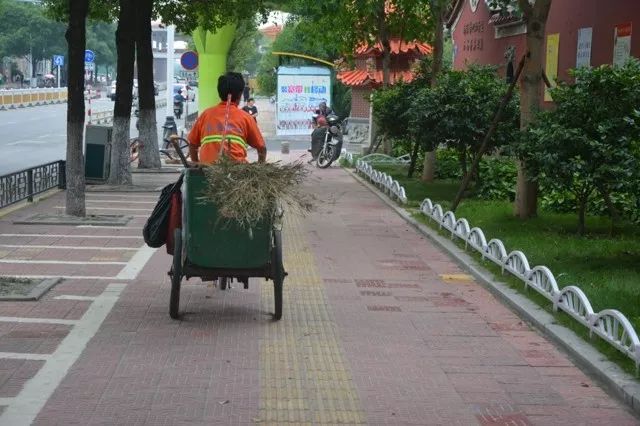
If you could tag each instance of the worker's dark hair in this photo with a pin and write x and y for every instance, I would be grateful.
(231, 82)
(251, 100)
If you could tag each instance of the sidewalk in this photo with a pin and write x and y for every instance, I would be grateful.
(379, 327)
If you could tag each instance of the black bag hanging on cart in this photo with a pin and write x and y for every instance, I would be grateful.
(156, 228)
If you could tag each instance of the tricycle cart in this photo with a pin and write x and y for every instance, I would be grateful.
(215, 249)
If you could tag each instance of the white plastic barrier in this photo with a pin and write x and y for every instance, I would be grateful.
(20, 98)
(609, 324)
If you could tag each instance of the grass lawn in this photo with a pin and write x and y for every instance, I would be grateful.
(606, 268)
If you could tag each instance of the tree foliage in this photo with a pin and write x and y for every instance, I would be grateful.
(590, 148)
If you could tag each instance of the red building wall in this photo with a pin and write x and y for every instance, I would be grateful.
(479, 45)
(360, 102)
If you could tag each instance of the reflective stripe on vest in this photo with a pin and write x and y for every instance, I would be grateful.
(218, 139)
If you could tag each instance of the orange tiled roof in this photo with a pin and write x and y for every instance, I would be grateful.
(397, 46)
(375, 78)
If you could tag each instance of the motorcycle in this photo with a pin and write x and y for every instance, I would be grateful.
(331, 147)
(178, 106)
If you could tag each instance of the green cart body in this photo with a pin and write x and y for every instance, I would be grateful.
(213, 248)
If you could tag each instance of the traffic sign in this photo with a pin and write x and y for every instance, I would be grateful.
(89, 56)
(189, 60)
(58, 60)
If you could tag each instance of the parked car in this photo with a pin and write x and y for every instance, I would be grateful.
(112, 89)
(185, 88)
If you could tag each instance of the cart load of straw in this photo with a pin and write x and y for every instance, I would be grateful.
(248, 193)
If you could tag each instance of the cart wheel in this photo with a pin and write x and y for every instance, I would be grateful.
(223, 283)
(278, 279)
(176, 278)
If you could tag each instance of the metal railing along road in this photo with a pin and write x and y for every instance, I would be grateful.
(24, 184)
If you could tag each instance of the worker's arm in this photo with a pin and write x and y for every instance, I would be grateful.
(194, 142)
(262, 154)
(254, 138)
(193, 153)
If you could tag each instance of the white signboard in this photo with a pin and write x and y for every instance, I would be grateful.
(583, 53)
(298, 96)
(621, 44)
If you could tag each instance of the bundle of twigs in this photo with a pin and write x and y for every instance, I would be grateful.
(248, 193)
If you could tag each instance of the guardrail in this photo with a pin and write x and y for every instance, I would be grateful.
(610, 324)
(106, 117)
(20, 98)
(24, 184)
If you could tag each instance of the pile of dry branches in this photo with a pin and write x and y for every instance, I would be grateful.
(248, 193)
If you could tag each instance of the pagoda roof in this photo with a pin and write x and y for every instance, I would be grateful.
(360, 78)
(397, 45)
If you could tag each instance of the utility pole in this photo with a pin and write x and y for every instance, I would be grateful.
(170, 122)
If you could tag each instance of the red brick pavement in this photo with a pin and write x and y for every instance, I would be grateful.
(418, 350)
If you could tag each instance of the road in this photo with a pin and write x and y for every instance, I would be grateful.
(37, 135)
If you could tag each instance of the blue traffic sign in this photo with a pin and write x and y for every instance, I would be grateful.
(58, 60)
(189, 60)
(89, 56)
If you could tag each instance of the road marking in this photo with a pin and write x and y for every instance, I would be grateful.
(121, 195)
(113, 208)
(66, 277)
(70, 236)
(68, 247)
(27, 142)
(137, 262)
(74, 297)
(38, 320)
(60, 262)
(25, 407)
(20, 355)
(109, 227)
(462, 278)
(119, 201)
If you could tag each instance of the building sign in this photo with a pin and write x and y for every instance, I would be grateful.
(473, 36)
(474, 5)
(583, 52)
(551, 68)
(298, 96)
(621, 44)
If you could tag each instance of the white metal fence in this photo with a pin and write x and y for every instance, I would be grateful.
(382, 180)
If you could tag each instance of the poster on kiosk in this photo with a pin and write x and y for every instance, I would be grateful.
(300, 90)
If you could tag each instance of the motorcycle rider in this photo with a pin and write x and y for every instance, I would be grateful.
(178, 102)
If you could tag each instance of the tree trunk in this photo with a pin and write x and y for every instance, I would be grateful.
(148, 128)
(582, 212)
(76, 42)
(530, 96)
(414, 159)
(125, 45)
(428, 171)
(462, 158)
(386, 46)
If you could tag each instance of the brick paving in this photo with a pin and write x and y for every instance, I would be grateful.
(380, 327)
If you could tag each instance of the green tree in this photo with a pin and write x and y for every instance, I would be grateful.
(101, 39)
(27, 32)
(243, 51)
(589, 147)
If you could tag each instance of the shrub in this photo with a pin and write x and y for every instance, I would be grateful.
(589, 145)
(498, 177)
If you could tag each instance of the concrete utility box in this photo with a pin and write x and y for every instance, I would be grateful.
(97, 152)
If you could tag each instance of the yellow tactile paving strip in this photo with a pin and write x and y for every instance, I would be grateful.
(304, 378)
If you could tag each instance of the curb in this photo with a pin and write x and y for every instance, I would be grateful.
(621, 384)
